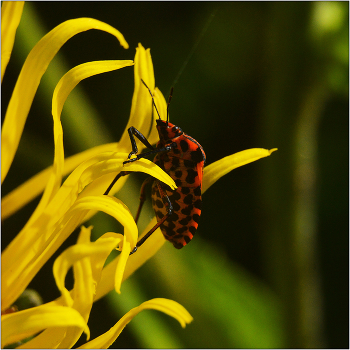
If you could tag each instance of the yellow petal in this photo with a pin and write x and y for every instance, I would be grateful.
(30, 189)
(216, 170)
(120, 268)
(62, 91)
(84, 287)
(141, 107)
(169, 307)
(22, 324)
(87, 272)
(33, 69)
(25, 270)
(109, 272)
(148, 249)
(77, 252)
(11, 13)
(76, 75)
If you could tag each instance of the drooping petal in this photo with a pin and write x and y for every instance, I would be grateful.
(83, 298)
(93, 255)
(85, 288)
(216, 170)
(149, 248)
(120, 268)
(28, 81)
(22, 324)
(169, 307)
(108, 276)
(76, 75)
(87, 273)
(78, 252)
(11, 13)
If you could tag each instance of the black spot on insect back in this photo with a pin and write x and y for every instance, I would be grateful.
(192, 229)
(184, 145)
(197, 191)
(178, 173)
(188, 199)
(191, 176)
(175, 162)
(178, 182)
(182, 229)
(188, 163)
(196, 217)
(159, 203)
(185, 190)
(186, 211)
(187, 239)
(198, 204)
(197, 155)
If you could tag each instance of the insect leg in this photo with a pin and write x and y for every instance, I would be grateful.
(142, 196)
(122, 173)
(134, 132)
(167, 202)
(167, 148)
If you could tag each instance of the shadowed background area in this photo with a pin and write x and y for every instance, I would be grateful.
(268, 267)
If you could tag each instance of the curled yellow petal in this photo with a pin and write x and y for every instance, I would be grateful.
(79, 73)
(87, 273)
(28, 81)
(78, 252)
(148, 249)
(22, 324)
(11, 13)
(216, 170)
(169, 307)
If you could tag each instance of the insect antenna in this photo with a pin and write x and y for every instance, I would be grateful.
(169, 99)
(201, 35)
(152, 98)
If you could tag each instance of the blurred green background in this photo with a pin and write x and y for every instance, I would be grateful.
(269, 265)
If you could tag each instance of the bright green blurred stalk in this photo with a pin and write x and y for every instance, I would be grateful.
(296, 93)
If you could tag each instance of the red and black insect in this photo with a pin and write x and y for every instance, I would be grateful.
(182, 157)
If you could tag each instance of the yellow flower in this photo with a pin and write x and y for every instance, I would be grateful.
(64, 207)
